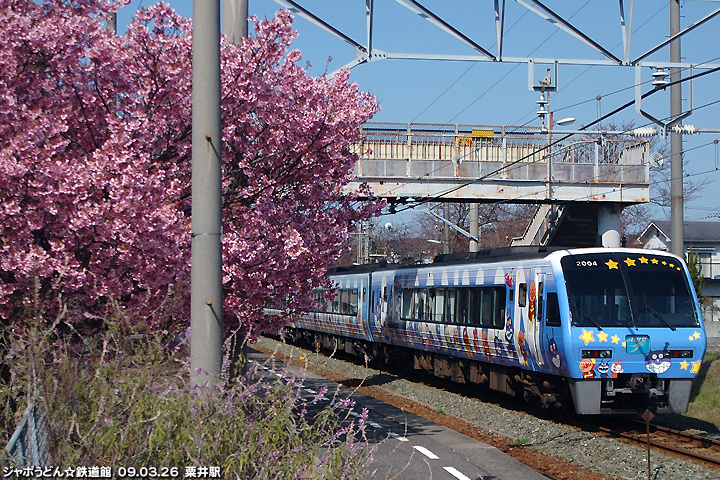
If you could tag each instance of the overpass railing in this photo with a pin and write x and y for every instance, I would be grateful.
(396, 151)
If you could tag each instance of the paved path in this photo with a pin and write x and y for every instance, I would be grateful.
(408, 446)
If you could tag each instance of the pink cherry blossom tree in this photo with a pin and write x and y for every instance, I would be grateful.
(95, 167)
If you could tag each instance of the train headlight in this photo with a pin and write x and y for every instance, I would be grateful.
(596, 354)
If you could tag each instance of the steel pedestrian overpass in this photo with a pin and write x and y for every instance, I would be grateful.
(580, 176)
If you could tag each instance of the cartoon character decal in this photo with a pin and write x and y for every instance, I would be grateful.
(658, 361)
(587, 367)
(555, 357)
(616, 369)
(603, 369)
(499, 349)
(476, 341)
(467, 346)
(510, 339)
(532, 297)
(439, 336)
(485, 344)
(521, 345)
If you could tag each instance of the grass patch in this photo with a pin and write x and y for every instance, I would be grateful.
(705, 395)
(112, 400)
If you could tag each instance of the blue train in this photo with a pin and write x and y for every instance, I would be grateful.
(600, 330)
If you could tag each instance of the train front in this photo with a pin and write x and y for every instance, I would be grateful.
(636, 333)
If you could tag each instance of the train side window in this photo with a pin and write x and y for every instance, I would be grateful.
(407, 303)
(439, 305)
(450, 301)
(344, 301)
(420, 304)
(335, 307)
(353, 303)
(499, 307)
(462, 310)
(552, 316)
(522, 294)
(474, 316)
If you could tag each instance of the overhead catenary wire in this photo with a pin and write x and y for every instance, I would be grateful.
(600, 119)
(507, 167)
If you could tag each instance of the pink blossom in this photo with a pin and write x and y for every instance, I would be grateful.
(95, 169)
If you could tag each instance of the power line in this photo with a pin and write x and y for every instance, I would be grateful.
(507, 167)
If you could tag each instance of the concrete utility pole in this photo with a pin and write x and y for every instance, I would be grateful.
(234, 20)
(112, 23)
(235, 28)
(474, 226)
(677, 232)
(446, 227)
(206, 297)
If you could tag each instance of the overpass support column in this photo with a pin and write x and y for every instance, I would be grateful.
(609, 224)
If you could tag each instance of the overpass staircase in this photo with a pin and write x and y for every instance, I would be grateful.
(571, 224)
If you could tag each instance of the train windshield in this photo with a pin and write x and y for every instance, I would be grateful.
(628, 290)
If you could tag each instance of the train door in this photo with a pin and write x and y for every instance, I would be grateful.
(535, 307)
(391, 292)
(528, 327)
(552, 327)
(522, 320)
(385, 294)
(366, 305)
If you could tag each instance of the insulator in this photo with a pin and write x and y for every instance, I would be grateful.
(685, 129)
(643, 132)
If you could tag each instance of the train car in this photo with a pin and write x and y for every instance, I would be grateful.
(601, 330)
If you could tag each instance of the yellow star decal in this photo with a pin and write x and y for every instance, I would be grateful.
(654, 261)
(695, 367)
(587, 336)
(691, 338)
(696, 335)
(678, 268)
(615, 339)
(671, 265)
(684, 365)
(643, 260)
(624, 344)
(629, 262)
(664, 262)
(602, 337)
(612, 264)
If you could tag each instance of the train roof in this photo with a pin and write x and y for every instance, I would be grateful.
(482, 256)
(497, 254)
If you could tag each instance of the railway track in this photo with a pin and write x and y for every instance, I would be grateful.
(696, 447)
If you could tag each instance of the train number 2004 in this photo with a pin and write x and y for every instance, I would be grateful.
(586, 263)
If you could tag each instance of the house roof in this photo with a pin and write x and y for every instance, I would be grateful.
(693, 231)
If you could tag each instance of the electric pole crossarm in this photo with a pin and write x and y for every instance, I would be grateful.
(626, 26)
(561, 23)
(315, 20)
(677, 36)
(419, 9)
(499, 25)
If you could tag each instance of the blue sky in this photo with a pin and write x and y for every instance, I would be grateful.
(486, 93)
